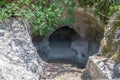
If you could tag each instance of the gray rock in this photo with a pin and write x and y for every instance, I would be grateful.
(100, 67)
(117, 69)
(18, 57)
(2, 32)
(81, 47)
(105, 68)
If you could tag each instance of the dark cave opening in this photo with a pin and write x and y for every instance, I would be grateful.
(65, 45)
(60, 40)
(60, 46)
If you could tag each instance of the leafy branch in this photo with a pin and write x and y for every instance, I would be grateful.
(45, 14)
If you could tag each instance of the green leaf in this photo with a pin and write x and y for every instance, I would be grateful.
(2, 3)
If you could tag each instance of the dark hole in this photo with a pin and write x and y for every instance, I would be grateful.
(59, 47)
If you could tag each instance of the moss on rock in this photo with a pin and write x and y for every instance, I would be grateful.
(111, 43)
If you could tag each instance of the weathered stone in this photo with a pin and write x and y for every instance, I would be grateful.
(18, 57)
(81, 48)
(111, 42)
(117, 69)
(101, 68)
(104, 68)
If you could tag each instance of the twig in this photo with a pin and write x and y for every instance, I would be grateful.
(109, 18)
(104, 15)
(114, 20)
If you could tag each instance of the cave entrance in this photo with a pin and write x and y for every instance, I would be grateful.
(60, 45)
(65, 45)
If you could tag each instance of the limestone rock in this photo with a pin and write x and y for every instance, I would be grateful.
(111, 41)
(101, 68)
(117, 69)
(104, 68)
(18, 57)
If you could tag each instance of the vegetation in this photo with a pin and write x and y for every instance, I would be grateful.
(46, 13)
(103, 8)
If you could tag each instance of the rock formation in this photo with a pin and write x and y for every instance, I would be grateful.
(111, 41)
(100, 67)
(18, 57)
(76, 43)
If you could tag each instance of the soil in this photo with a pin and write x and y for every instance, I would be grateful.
(60, 71)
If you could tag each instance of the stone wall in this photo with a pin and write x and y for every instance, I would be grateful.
(18, 57)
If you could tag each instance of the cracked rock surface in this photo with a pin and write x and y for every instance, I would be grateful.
(18, 57)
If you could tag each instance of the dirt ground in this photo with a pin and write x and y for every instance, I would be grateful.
(60, 71)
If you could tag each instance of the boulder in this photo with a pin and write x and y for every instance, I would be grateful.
(18, 57)
(100, 67)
